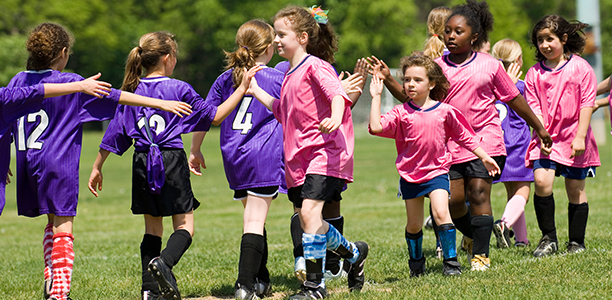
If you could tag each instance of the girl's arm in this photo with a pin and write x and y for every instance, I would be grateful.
(178, 108)
(89, 86)
(601, 102)
(196, 158)
(489, 162)
(262, 96)
(230, 103)
(95, 179)
(520, 106)
(375, 90)
(332, 123)
(604, 86)
(380, 69)
(583, 125)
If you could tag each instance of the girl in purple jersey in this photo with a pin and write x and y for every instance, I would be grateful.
(48, 146)
(317, 139)
(421, 128)
(160, 173)
(516, 177)
(561, 89)
(252, 148)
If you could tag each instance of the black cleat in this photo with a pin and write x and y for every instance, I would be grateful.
(574, 247)
(310, 290)
(546, 246)
(165, 278)
(417, 267)
(356, 277)
(451, 268)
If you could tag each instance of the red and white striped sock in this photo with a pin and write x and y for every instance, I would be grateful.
(63, 258)
(47, 248)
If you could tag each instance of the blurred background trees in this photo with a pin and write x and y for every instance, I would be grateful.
(106, 30)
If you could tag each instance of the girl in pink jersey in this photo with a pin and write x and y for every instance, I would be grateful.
(318, 139)
(421, 128)
(561, 90)
(516, 177)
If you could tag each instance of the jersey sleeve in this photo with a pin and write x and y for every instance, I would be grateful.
(115, 139)
(389, 121)
(588, 88)
(531, 95)
(16, 102)
(503, 87)
(325, 77)
(214, 96)
(459, 129)
(203, 113)
(98, 109)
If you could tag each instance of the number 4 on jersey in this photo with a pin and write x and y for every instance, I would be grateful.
(242, 121)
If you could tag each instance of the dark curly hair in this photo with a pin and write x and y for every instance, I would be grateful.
(559, 26)
(433, 70)
(45, 44)
(478, 17)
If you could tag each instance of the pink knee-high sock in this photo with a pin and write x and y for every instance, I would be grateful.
(63, 258)
(47, 248)
(520, 229)
(514, 208)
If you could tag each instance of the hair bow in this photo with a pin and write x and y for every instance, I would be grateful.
(318, 14)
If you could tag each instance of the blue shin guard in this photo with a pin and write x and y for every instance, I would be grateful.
(448, 239)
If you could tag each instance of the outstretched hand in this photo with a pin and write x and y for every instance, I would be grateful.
(91, 86)
(249, 77)
(377, 67)
(196, 160)
(376, 87)
(514, 71)
(178, 108)
(352, 84)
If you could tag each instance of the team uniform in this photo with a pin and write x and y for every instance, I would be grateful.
(160, 173)
(251, 139)
(14, 103)
(423, 161)
(48, 145)
(574, 88)
(516, 134)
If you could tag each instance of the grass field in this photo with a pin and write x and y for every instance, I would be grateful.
(107, 264)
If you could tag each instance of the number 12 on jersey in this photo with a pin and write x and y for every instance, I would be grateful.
(242, 121)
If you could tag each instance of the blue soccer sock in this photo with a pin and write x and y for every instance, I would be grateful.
(314, 254)
(338, 243)
(448, 239)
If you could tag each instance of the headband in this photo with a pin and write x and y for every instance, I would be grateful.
(318, 14)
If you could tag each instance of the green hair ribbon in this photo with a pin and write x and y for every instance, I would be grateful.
(318, 14)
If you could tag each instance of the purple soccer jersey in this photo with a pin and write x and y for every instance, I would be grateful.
(251, 138)
(48, 144)
(166, 128)
(14, 103)
(516, 138)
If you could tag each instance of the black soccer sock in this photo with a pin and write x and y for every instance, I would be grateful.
(149, 249)
(482, 229)
(578, 215)
(545, 213)
(464, 224)
(251, 252)
(264, 274)
(296, 235)
(178, 243)
(332, 260)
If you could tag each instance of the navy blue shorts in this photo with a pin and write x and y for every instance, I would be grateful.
(317, 187)
(565, 171)
(409, 190)
(265, 191)
(475, 168)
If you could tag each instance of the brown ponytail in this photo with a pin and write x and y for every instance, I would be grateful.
(151, 48)
(252, 41)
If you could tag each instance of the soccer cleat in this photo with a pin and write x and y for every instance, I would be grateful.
(299, 268)
(467, 245)
(428, 223)
(243, 293)
(340, 274)
(356, 277)
(310, 290)
(148, 295)
(262, 289)
(546, 246)
(165, 278)
(417, 267)
(521, 244)
(574, 247)
(480, 263)
(502, 234)
(47, 285)
(451, 268)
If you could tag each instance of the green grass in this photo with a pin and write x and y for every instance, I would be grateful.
(107, 264)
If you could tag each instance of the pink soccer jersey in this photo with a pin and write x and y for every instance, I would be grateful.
(305, 101)
(421, 138)
(558, 96)
(474, 87)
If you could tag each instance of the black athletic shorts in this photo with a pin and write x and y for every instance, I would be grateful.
(317, 187)
(265, 191)
(176, 196)
(475, 168)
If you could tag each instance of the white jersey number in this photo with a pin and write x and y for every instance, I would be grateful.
(32, 141)
(242, 121)
(503, 112)
(155, 121)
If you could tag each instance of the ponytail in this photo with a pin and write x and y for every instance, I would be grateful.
(252, 40)
(133, 70)
(434, 47)
(436, 21)
(151, 48)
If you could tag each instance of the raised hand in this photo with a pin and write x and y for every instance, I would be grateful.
(377, 67)
(376, 87)
(93, 87)
(353, 83)
(514, 71)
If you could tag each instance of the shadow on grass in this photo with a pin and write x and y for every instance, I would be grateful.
(282, 282)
